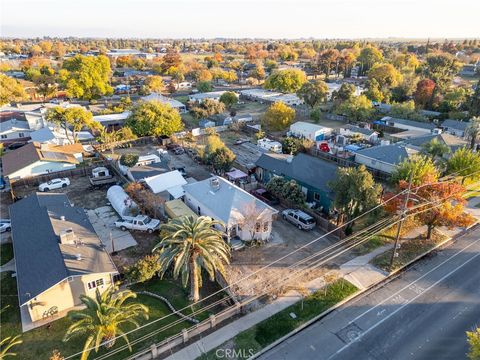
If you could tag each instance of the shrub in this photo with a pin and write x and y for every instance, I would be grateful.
(145, 269)
(129, 160)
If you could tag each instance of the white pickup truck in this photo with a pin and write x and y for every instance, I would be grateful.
(140, 222)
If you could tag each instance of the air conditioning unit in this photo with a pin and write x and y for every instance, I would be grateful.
(67, 236)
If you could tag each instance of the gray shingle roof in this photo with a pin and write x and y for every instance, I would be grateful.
(455, 124)
(144, 171)
(227, 201)
(390, 154)
(304, 168)
(358, 129)
(453, 142)
(418, 124)
(41, 260)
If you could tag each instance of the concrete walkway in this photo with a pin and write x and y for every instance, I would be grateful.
(9, 266)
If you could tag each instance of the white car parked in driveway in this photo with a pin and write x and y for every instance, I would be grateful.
(54, 184)
(5, 225)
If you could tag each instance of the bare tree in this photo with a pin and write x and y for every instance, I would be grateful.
(253, 217)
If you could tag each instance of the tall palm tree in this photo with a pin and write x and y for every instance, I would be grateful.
(191, 244)
(9, 342)
(104, 317)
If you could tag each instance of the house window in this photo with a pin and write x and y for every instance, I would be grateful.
(21, 135)
(70, 279)
(4, 136)
(91, 285)
(266, 226)
(99, 282)
(257, 227)
(316, 196)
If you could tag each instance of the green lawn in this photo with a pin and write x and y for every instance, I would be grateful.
(254, 339)
(39, 343)
(189, 121)
(373, 243)
(6, 253)
(409, 250)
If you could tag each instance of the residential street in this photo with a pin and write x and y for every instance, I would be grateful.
(423, 314)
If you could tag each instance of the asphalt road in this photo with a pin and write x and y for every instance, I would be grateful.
(422, 314)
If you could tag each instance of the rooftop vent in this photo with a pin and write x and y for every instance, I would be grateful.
(215, 183)
(62, 218)
(78, 257)
(67, 236)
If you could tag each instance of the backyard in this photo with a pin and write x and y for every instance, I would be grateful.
(39, 343)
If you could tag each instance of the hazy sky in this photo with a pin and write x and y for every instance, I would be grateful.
(241, 18)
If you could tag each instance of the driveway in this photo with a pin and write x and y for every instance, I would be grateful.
(286, 239)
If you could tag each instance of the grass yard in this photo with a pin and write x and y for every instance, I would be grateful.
(39, 343)
(189, 121)
(409, 250)
(6, 253)
(280, 324)
(367, 247)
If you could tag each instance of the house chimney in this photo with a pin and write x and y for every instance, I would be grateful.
(67, 236)
(215, 183)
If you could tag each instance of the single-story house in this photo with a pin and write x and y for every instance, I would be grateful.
(170, 182)
(455, 127)
(36, 159)
(405, 124)
(199, 97)
(141, 172)
(353, 130)
(262, 95)
(58, 258)
(14, 127)
(306, 130)
(166, 100)
(311, 173)
(452, 141)
(112, 120)
(384, 158)
(55, 136)
(223, 201)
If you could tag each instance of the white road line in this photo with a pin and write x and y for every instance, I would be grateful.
(408, 302)
(413, 282)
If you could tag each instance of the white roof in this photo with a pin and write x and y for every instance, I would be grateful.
(112, 117)
(309, 127)
(166, 181)
(163, 99)
(207, 95)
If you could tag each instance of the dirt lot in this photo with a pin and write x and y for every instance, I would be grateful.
(286, 238)
(198, 172)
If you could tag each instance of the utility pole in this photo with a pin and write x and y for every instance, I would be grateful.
(402, 218)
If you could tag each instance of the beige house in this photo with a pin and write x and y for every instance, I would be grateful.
(58, 257)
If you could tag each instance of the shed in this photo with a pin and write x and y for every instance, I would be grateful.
(177, 208)
(121, 202)
(309, 131)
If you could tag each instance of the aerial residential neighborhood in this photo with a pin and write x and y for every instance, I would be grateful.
(236, 180)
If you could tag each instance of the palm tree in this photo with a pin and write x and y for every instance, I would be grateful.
(104, 317)
(192, 244)
(436, 149)
(473, 131)
(7, 344)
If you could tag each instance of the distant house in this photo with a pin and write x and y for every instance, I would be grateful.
(112, 120)
(452, 141)
(206, 123)
(200, 97)
(384, 158)
(14, 127)
(470, 69)
(311, 173)
(170, 182)
(405, 124)
(262, 95)
(58, 258)
(223, 201)
(353, 130)
(56, 136)
(306, 130)
(455, 127)
(36, 159)
(166, 100)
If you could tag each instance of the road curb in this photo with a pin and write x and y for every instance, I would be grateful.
(392, 276)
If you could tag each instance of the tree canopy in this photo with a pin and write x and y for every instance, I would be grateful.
(421, 167)
(154, 118)
(313, 93)
(288, 81)
(10, 90)
(357, 108)
(72, 119)
(87, 77)
(278, 116)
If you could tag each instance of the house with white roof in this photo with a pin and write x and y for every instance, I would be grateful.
(200, 97)
(166, 100)
(225, 202)
(171, 182)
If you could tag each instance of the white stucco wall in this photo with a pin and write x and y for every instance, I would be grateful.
(374, 164)
(40, 168)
